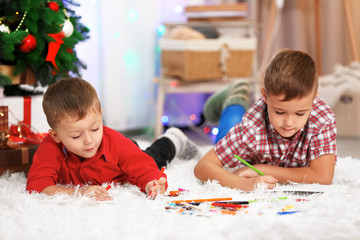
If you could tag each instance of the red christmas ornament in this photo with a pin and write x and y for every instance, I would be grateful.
(69, 50)
(53, 6)
(28, 44)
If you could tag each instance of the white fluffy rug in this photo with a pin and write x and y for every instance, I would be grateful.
(334, 214)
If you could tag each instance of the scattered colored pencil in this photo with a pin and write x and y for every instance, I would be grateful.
(287, 213)
(160, 174)
(202, 200)
(249, 165)
(189, 206)
(237, 202)
(108, 187)
(228, 205)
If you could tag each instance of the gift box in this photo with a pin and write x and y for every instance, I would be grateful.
(207, 59)
(26, 109)
(27, 76)
(17, 159)
(4, 126)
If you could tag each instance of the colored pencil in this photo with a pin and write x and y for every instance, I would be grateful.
(237, 202)
(228, 205)
(108, 187)
(189, 206)
(202, 200)
(160, 174)
(249, 165)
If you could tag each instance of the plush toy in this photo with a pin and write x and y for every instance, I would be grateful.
(185, 33)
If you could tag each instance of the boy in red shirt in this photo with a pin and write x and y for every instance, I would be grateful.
(79, 150)
(289, 134)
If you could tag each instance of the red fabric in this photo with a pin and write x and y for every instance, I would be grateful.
(256, 141)
(54, 47)
(27, 110)
(118, 160)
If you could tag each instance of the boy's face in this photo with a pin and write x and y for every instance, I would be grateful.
(82, 137)
(288, 117)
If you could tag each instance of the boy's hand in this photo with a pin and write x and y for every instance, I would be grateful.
(245, 172)
(268, 180)
(99, 193)
(156, 186)
(254, 179)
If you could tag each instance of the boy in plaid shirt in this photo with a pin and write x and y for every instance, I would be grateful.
(289, 134)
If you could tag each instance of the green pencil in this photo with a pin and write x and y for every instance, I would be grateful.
(249, 165)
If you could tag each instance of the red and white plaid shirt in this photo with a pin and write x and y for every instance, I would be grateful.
(256, 141)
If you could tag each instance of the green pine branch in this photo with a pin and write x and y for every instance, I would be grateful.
(39, 21)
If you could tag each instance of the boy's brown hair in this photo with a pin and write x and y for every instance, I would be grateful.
(292, 73)
(71, 96)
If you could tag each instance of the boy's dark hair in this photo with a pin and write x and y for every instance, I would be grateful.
(70, 96)
(292, 73)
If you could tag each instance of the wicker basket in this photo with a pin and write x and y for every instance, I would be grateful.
(210, 59)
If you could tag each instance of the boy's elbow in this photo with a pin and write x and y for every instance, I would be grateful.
(326, 178)
(197, 170)
(325, 181)
(201, 171)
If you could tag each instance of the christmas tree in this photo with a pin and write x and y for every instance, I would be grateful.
(40, 35)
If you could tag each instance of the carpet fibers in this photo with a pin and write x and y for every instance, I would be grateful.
(294, 211)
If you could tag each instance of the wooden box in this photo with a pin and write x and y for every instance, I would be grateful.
(347, 112)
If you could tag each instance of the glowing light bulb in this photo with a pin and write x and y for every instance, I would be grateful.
(215, 131)
(131, 59)
(133, 16)
(161, 30)
(206, 129)
(164, 119)
(178, 9)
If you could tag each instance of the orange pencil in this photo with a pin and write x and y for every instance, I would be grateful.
(160, 174)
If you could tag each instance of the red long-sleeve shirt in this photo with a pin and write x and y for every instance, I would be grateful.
(117, 160)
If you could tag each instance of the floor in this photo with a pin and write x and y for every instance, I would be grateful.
(347, 146)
